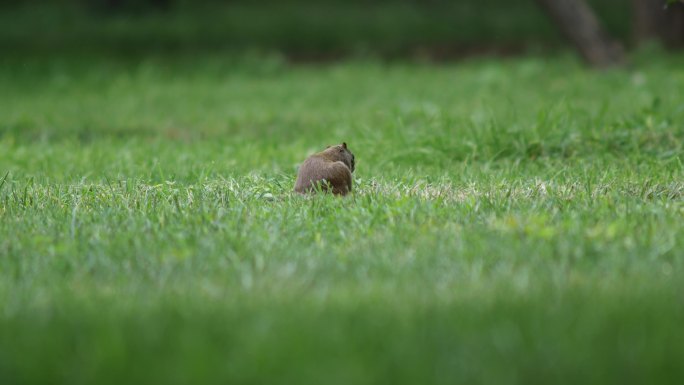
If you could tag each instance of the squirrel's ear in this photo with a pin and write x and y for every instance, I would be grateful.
(344, 144)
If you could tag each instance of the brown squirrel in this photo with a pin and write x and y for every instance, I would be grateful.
(331, 169)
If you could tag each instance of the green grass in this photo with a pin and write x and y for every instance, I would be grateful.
(513, 222)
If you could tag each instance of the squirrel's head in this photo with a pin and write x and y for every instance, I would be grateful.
(341, 153)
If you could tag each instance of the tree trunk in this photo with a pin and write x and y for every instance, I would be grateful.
(656, 20)
(577, 22)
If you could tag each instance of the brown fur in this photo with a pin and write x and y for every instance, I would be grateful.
(331, 169)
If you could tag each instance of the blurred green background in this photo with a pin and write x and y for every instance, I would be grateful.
(299, 29)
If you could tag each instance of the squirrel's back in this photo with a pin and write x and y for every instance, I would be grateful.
(330, 170)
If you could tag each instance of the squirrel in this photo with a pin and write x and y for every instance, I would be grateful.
(331, 169)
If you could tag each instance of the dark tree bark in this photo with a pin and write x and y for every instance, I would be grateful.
(577, 22)
(657, 20)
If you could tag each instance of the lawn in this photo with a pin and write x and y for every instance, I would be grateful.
(514, 222)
